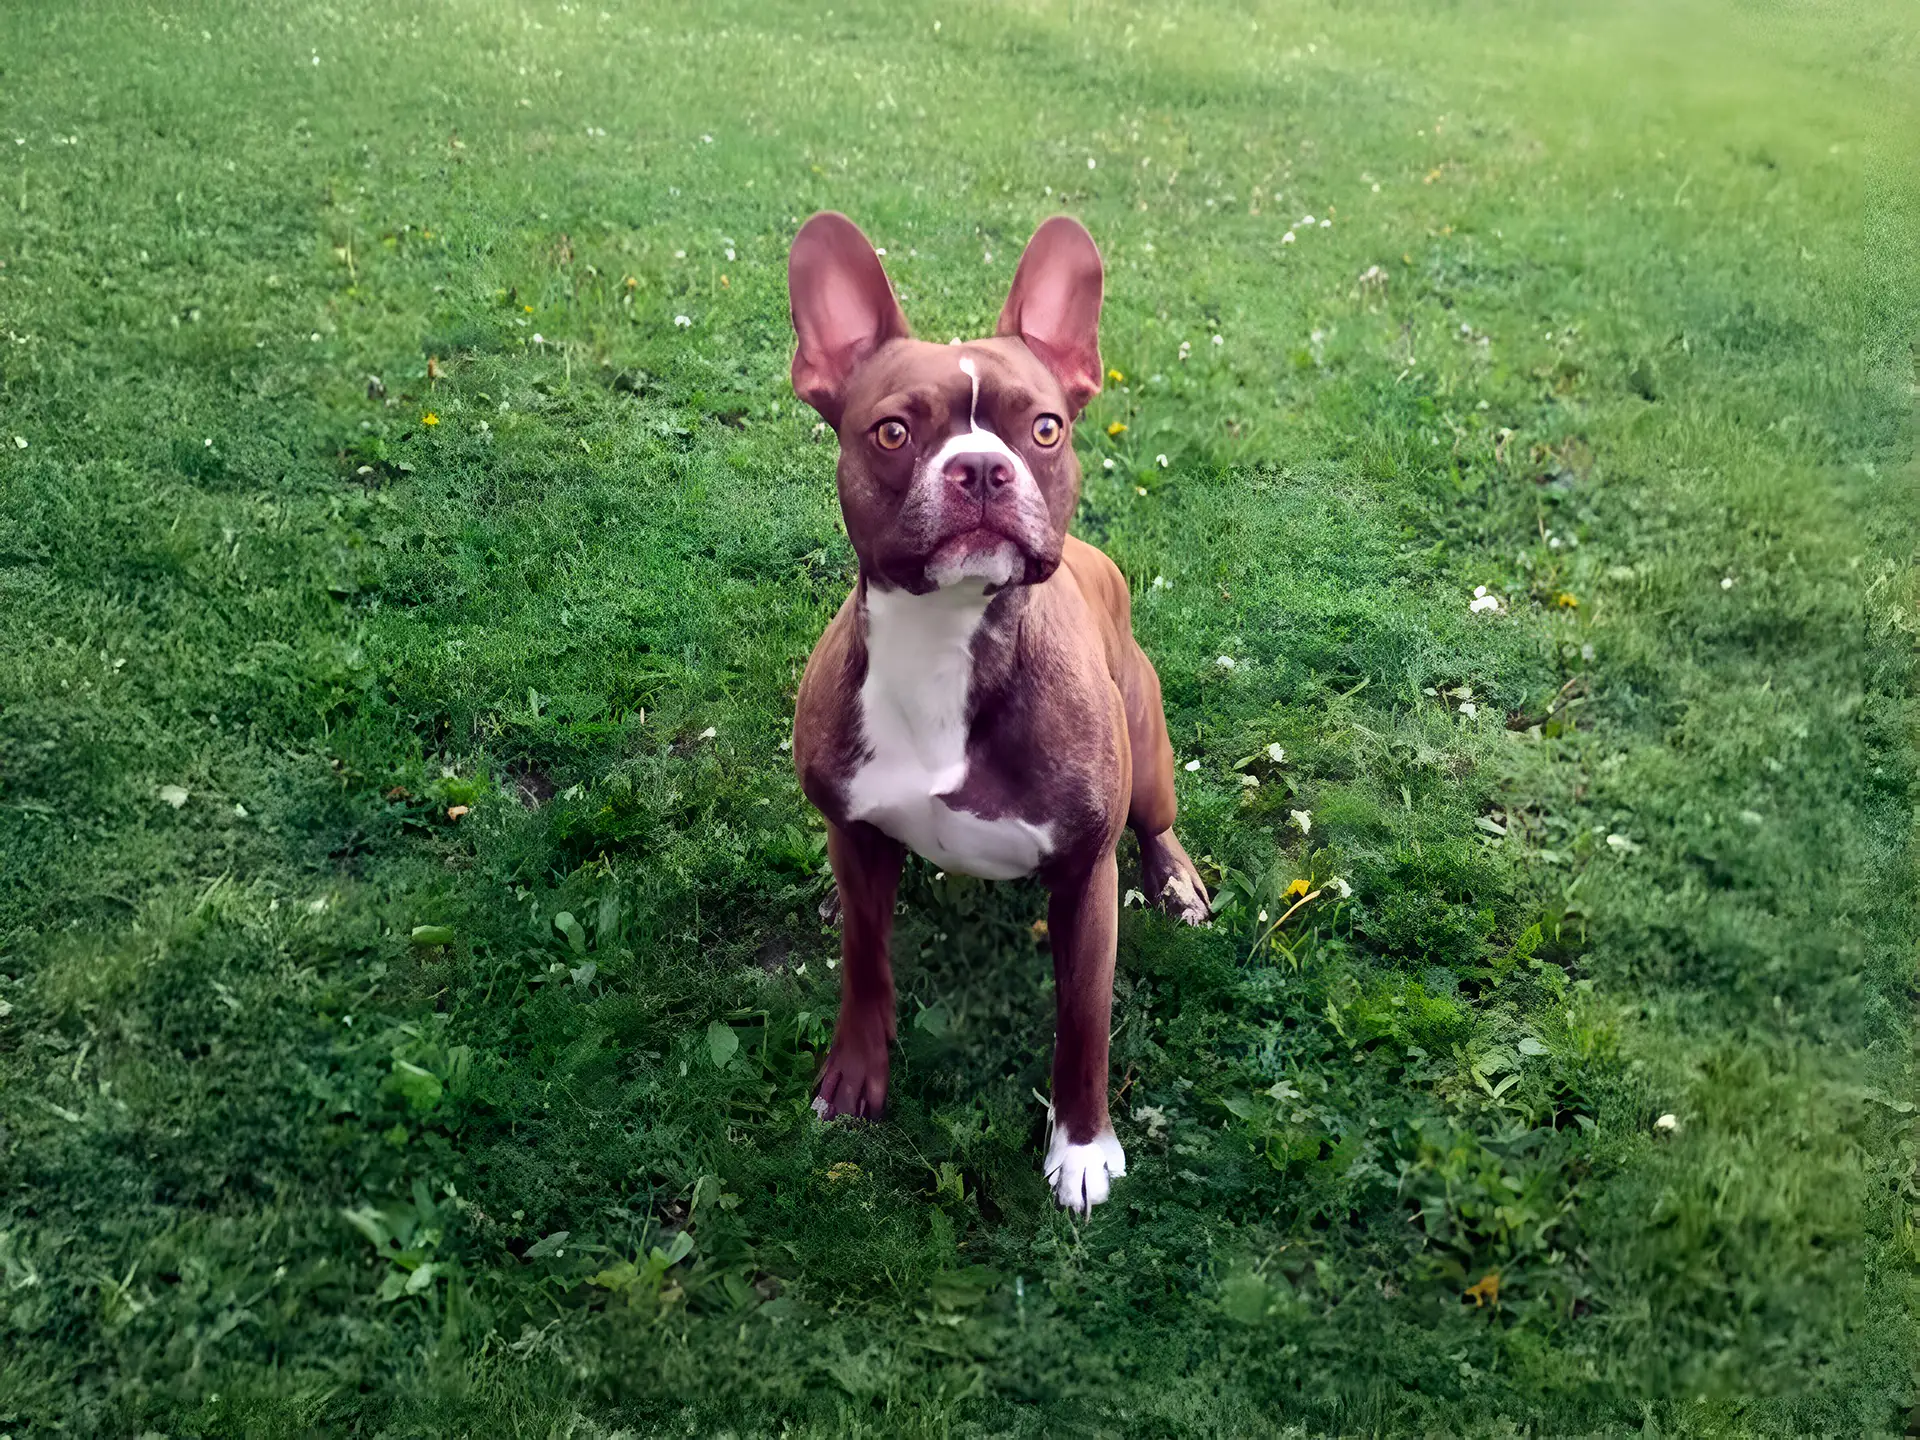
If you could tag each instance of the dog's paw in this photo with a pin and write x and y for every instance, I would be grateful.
(1184, 898)
(1172, 880)
(854, 1080)
(1082, 1175)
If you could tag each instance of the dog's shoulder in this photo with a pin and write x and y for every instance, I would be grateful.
(1104, 589)
(826, 727)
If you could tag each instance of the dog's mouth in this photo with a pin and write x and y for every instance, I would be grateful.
(981, 554)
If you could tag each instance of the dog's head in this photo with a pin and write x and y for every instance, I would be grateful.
(956, 461)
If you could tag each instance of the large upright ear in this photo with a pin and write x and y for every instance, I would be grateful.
(843, 308)
(1054, 306)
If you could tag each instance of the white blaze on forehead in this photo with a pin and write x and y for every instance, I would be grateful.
(972, 372)
(977, 440)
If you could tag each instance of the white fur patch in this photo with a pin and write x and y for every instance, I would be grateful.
(1183, 901)
(913, 710)
(1081, 1175)
(1000, 565)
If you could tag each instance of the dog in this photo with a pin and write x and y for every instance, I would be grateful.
(979, 699)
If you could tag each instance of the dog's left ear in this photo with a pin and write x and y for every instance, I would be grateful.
(1054, 306)
(843, 309)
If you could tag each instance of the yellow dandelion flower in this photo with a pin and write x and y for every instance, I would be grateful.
(526, 309)
(1116, 428)
(1567, 600)
(429, 418)
(1116, 377)
(1297, 888)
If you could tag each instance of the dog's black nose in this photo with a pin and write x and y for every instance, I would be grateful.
(977, 472)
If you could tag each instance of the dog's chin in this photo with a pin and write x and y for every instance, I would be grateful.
(991, 560)
(987, 559)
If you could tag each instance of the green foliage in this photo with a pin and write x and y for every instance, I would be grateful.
(410, 979)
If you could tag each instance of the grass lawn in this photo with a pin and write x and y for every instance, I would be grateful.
(410, 982)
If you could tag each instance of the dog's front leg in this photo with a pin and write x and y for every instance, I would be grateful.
(1083, 920)
(866, 871)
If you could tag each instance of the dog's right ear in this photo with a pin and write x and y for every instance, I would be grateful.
(843, 309)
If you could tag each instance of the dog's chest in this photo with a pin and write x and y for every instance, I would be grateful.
(913, 714)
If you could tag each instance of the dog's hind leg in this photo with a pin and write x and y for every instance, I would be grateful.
(1167, 875)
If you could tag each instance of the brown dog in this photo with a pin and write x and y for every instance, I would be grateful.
(979, 698)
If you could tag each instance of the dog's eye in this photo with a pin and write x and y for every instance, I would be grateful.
(1047, 431)
(890, 434)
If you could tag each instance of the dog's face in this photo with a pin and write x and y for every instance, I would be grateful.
(956, 461)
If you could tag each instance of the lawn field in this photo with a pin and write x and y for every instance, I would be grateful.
(411, 983)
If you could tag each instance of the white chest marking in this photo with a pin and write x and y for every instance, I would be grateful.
(913, 709)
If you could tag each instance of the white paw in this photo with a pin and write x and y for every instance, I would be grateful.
(1180, 897)
(1081, 1174)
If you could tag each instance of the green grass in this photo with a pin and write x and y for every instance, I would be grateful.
(1646, 327)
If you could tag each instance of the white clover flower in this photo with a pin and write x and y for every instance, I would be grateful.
(1193, 765)
(1287, 239)
(1225, 662)
(1090, 162)
(1341, 887)
(1160, 582)
(1161, 461)
(1276, 754)
(681, 321)
(1303, 819)
(1107, 464)
(1219, 340)
(1726, 583)
(1483, 600)
(1667, 1124)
